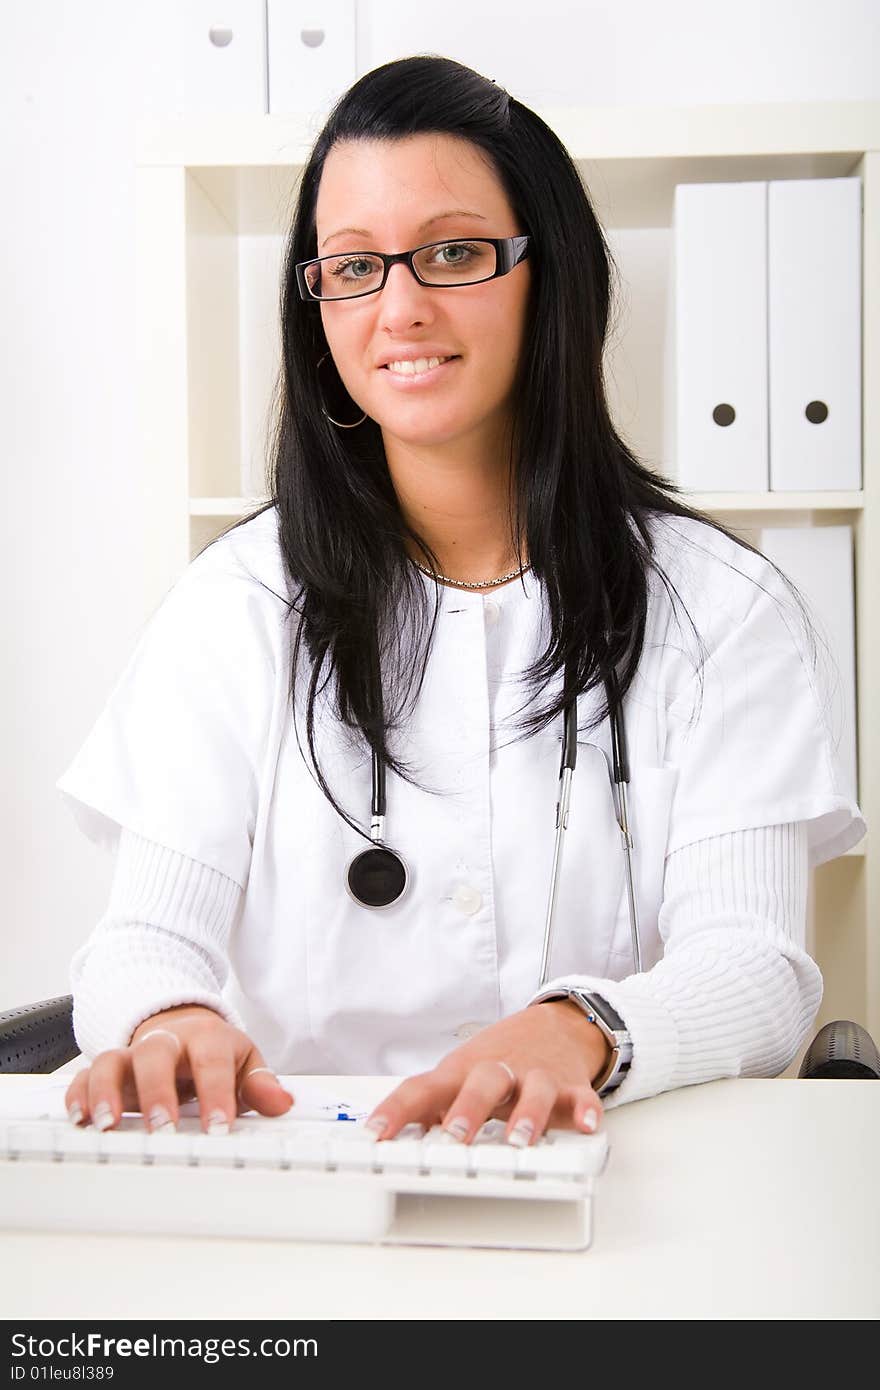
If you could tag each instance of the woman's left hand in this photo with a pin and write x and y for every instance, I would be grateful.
(554, 1052)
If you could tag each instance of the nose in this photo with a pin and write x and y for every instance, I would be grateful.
(402, 299)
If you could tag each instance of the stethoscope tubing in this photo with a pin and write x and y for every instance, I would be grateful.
(619, 776)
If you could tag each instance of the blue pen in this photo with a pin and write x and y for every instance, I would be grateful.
(339, 1111)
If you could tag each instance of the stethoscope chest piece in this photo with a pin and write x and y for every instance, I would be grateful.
(377, 877)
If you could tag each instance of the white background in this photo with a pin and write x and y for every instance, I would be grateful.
(73, 79)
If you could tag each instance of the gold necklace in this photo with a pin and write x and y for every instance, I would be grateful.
(476, 584)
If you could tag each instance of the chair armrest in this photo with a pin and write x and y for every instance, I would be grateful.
(841, 1049)
(38, 1037)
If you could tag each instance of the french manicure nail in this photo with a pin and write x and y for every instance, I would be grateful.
(75, 1113)
(590, 1120)
(458, 1128)
(102, 1115)
(217, 1122)
(521, 1134)
(161, 1120)
(376, 1127)
(415, 1130)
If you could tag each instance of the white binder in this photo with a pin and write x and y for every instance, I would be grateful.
(815, 296)
(715, 417)
(311, 54)
(819, 559)
(224, 56)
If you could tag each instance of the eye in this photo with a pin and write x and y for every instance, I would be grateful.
(461, 252)
(339, 267)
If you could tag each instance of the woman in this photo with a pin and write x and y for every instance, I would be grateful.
(453, 516)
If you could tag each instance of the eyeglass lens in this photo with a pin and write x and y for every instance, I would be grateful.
(449, 263)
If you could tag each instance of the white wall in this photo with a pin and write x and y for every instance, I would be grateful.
(73, 76)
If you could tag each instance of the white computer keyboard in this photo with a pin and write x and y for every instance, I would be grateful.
(286, 1178)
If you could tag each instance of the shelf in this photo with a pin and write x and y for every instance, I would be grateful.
(216, 197)
(225, 506)
(786, 130)
(775, 501)
(727, 502)
(631, 157)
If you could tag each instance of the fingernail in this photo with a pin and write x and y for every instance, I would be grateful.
(102, 1115)
(458, 1128)
(161, 1120)
(75, 1113)
(217, 1122)
(376, 1127)
(415, 1130)
(521, 1134)
(590, 1120)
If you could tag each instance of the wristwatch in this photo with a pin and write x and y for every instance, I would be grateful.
(609, 1022)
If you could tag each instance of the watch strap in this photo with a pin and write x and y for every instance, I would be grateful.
(608, 1021)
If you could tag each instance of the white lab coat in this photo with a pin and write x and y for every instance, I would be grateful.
(195, 749)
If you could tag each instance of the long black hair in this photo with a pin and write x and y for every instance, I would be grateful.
(579, 496)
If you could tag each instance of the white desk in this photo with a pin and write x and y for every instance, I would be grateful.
(749, 1199)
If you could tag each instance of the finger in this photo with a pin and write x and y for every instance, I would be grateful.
(586, 1109)
(154, 1062)
(259, 1088)
(486, 1087)
(537, 1096)
(420, 1099)
(213, 1068)
(76, 1097)
(103, 1098)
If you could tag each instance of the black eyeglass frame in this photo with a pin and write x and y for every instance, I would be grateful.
(509, 251)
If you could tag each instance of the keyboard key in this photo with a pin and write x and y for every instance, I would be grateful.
(496, 1160)
(399, 1155)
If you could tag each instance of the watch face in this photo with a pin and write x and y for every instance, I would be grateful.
(604, 1011)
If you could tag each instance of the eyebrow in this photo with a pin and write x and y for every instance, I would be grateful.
(438, 217)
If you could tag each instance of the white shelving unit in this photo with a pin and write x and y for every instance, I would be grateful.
(214, 200)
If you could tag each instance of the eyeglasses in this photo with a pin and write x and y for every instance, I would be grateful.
(440, 263)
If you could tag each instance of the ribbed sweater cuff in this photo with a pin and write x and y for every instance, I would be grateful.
(161, 943)
(735, 993)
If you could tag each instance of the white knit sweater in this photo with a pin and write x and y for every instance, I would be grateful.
(736, 997)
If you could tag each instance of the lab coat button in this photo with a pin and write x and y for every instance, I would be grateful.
(468, 1031)
(491, 612)
(467, 899)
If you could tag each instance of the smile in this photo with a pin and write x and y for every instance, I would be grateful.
(420, 369)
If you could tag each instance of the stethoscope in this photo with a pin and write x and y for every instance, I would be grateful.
(378, 877)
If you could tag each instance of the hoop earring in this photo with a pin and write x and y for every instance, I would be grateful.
(326, 412)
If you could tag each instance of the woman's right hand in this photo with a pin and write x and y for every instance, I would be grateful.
(198, 1055)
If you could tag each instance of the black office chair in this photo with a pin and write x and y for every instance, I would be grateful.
(39, 1038)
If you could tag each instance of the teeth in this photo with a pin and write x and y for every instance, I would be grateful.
(421, 364)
